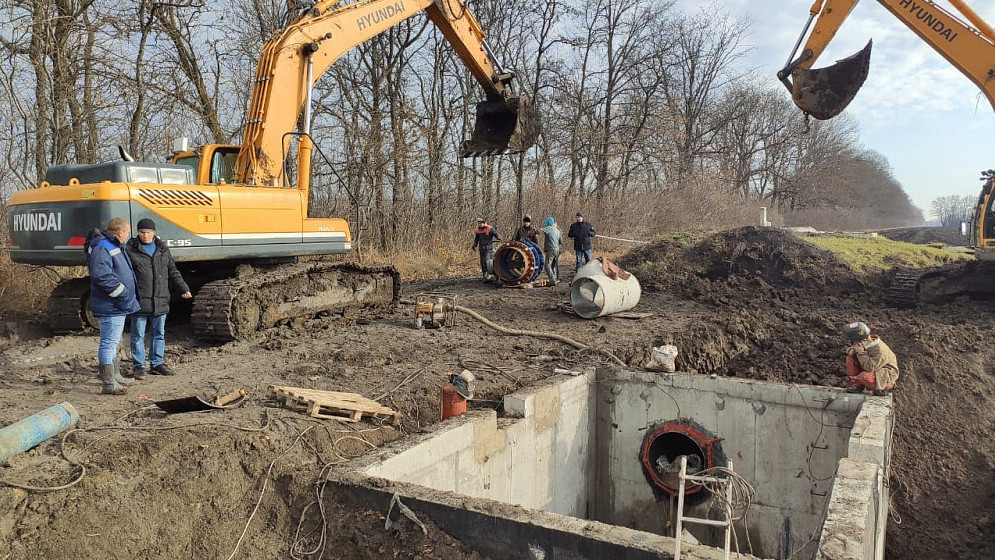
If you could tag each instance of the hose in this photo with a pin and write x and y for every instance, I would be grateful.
(519, 332)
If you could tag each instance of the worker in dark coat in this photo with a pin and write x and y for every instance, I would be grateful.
(112, 296)
(581, 231)
(155, 274)
(527, 232)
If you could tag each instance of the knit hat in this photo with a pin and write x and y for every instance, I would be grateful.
(527, 218)
(580, 214)
(145, 223)
(857, 331)
(480, 220)
(549, 221)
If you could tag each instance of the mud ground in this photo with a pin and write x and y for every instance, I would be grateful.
(245, 483)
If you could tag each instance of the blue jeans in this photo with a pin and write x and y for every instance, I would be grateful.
(158, 346)
(584, 255)
(111, 329)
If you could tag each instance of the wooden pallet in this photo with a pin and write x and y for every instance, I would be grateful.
(346, 407)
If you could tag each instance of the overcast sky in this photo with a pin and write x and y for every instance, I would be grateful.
(931, 123)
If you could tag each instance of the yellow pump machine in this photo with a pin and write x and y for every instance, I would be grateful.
(235, 222)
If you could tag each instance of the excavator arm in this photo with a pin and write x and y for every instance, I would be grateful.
(294, 59)
(823, 93)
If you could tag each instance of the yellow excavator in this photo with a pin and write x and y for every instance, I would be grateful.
(968, 43)
(236, 220)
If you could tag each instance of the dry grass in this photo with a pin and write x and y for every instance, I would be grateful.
(24, 289)
(879, 253)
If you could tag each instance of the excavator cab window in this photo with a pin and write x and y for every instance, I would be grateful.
(223, 165)
(989, 218)
(193, 162)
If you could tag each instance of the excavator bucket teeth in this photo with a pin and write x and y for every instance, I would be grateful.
(503, 127)
(825, 92)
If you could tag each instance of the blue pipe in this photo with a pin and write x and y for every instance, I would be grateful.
(29, 432)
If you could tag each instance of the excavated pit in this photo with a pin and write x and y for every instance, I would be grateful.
(560, 471)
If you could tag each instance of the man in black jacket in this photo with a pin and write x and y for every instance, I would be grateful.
(581, 231)
(155, 273)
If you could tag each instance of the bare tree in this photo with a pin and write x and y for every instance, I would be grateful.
(951, 210)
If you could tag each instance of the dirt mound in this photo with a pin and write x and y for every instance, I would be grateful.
(926, 235)
(745, 260)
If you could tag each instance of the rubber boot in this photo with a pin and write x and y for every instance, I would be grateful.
(109, 386)
(122, 380)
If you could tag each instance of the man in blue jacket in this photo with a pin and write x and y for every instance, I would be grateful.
(112, 296)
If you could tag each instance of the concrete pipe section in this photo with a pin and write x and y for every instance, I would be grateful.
(518, 262)
(602, 288)
(665, 443)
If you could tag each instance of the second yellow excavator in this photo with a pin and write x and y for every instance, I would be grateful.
(236, 220)
(968, 43)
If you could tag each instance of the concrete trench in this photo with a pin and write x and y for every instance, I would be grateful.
(558, 474)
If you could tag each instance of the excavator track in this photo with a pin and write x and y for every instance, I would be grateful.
(235, 308)
(904, 289)
(68, 309)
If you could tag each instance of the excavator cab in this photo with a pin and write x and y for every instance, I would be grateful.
(824, 92)
(503, 126)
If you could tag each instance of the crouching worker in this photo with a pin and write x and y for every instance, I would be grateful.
(870, 364)
(155, 274)
(112, 296)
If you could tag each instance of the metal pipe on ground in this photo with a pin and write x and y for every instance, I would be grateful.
(29, 432)
(518, 262)
(593, 293)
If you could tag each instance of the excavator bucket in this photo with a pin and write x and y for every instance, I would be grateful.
(503, 127)
(825, 92)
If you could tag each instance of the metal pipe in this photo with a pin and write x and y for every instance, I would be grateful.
(593, 293)
(29, 432)
(518, 262)
(307, 95)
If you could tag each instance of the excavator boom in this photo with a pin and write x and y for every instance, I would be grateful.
(823, 93)
(293, 60)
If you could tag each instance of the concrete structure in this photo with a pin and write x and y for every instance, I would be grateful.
(539, 455)
(572, 448)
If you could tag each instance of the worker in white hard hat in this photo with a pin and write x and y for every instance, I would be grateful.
(870, 363)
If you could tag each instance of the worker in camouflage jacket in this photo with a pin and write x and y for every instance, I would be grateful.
(870, 363)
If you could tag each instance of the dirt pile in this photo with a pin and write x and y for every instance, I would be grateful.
(925, 236)
(729, 265)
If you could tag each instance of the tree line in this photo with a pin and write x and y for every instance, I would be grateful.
(651, 119)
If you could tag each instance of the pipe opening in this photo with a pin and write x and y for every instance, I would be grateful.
(663, 447)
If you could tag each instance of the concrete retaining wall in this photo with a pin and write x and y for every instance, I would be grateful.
(785, 439)
(572, 448)
(538, 456)
(858, 508)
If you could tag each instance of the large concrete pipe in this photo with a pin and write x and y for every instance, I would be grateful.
(29, 432)
(594, 292)
(518, 262)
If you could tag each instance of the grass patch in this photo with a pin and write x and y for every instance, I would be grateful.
(877, 254)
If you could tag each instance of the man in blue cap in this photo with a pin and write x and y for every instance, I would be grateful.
(552, 245)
